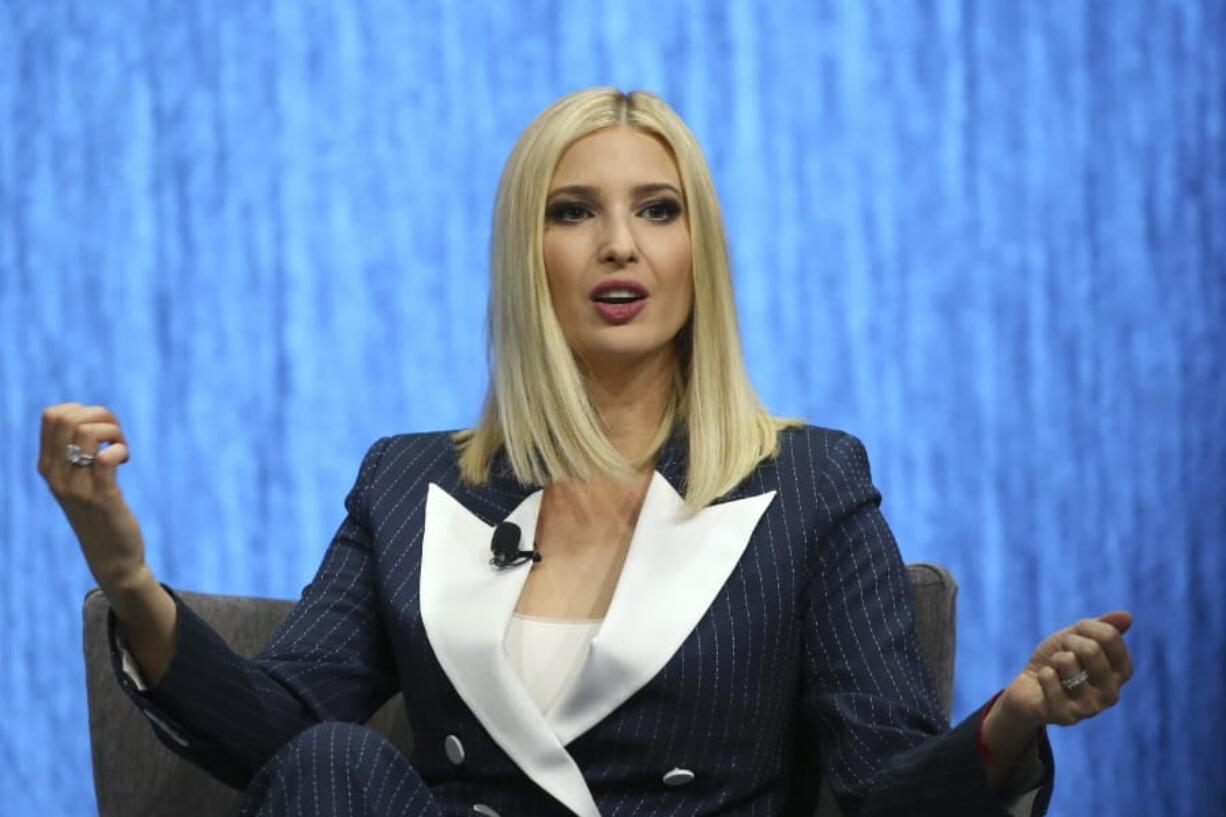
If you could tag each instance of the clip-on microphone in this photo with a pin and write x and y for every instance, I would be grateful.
(505, 547)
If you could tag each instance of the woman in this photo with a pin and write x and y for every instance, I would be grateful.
(684, 590)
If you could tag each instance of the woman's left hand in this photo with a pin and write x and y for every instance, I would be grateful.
(1093, 646)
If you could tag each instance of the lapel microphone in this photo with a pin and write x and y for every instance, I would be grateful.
(505, 547)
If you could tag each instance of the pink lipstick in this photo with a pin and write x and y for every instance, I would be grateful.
(619, 300)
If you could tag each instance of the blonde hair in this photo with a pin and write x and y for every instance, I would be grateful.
(537, 405)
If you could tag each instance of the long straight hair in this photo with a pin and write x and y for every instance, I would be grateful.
(537, 405)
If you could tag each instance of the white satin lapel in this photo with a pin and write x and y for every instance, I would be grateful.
(466, 604)
(674, 569)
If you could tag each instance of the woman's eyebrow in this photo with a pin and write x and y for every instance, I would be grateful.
(594, 193)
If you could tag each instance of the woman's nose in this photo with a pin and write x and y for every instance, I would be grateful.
(618, 243)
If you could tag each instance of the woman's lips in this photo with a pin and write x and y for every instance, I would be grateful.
(619, 313)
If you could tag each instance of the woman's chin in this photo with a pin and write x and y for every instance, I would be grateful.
(625, 353)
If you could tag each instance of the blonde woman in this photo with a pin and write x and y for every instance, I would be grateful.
(628, 590)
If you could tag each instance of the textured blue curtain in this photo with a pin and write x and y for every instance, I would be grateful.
(988, 238)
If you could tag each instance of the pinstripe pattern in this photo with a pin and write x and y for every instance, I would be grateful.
(339, 769)
(807, 652)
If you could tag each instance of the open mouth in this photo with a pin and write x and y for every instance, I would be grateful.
(619, 296)
(619, 292)
(619, 301)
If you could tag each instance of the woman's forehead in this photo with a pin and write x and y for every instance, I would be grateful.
(616, 157)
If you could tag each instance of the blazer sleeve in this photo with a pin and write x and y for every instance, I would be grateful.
(867, 692)
(329, 660)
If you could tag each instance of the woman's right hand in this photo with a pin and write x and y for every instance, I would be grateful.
(108, 532)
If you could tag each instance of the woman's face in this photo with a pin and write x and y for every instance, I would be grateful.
(617, 248)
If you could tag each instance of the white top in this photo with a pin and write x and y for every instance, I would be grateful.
(548, 652)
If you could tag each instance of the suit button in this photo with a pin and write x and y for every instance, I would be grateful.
(486, 811)
(454, 749)
(678, 777)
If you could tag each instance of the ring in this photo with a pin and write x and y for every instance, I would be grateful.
(1074, 683)
(78, 457)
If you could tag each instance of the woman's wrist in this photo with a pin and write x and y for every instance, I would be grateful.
(1006, 734)
(146, 617)
(142, 606)
(131, 588)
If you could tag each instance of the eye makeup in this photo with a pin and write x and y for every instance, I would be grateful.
(563, 212)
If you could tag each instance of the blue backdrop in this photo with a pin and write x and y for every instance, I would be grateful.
(990, 239)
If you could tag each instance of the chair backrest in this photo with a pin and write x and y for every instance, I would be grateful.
(935, 594)
(135, 776)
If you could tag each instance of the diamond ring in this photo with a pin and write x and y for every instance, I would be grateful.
(1073, 683)
(78, 457)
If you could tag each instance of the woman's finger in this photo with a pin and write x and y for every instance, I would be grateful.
(113, 455)
(1055, 699)
(49, 430)
(1092, 659)
(90, 435)
(1124, 668)
(56, 434)
(1110, 640)
(1103, 689)
(1066, 664)
(1076, 701)
(1121, 620)
(88, 428)
(60, 423)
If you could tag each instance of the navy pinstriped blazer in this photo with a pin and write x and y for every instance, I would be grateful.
(771, 629)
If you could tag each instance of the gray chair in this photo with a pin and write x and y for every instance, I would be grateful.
(135, 776)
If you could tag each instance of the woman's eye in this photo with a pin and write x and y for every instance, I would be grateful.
(664, 210)
(567, 212)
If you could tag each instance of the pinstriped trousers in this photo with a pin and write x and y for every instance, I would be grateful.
(338, 769)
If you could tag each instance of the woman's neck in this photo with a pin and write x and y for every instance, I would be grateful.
(631, 400)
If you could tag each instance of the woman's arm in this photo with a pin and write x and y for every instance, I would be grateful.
(329, 660)
(146, 616)
(82, 476)
(867, 693)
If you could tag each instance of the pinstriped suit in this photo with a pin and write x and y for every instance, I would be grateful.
(772, 628)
